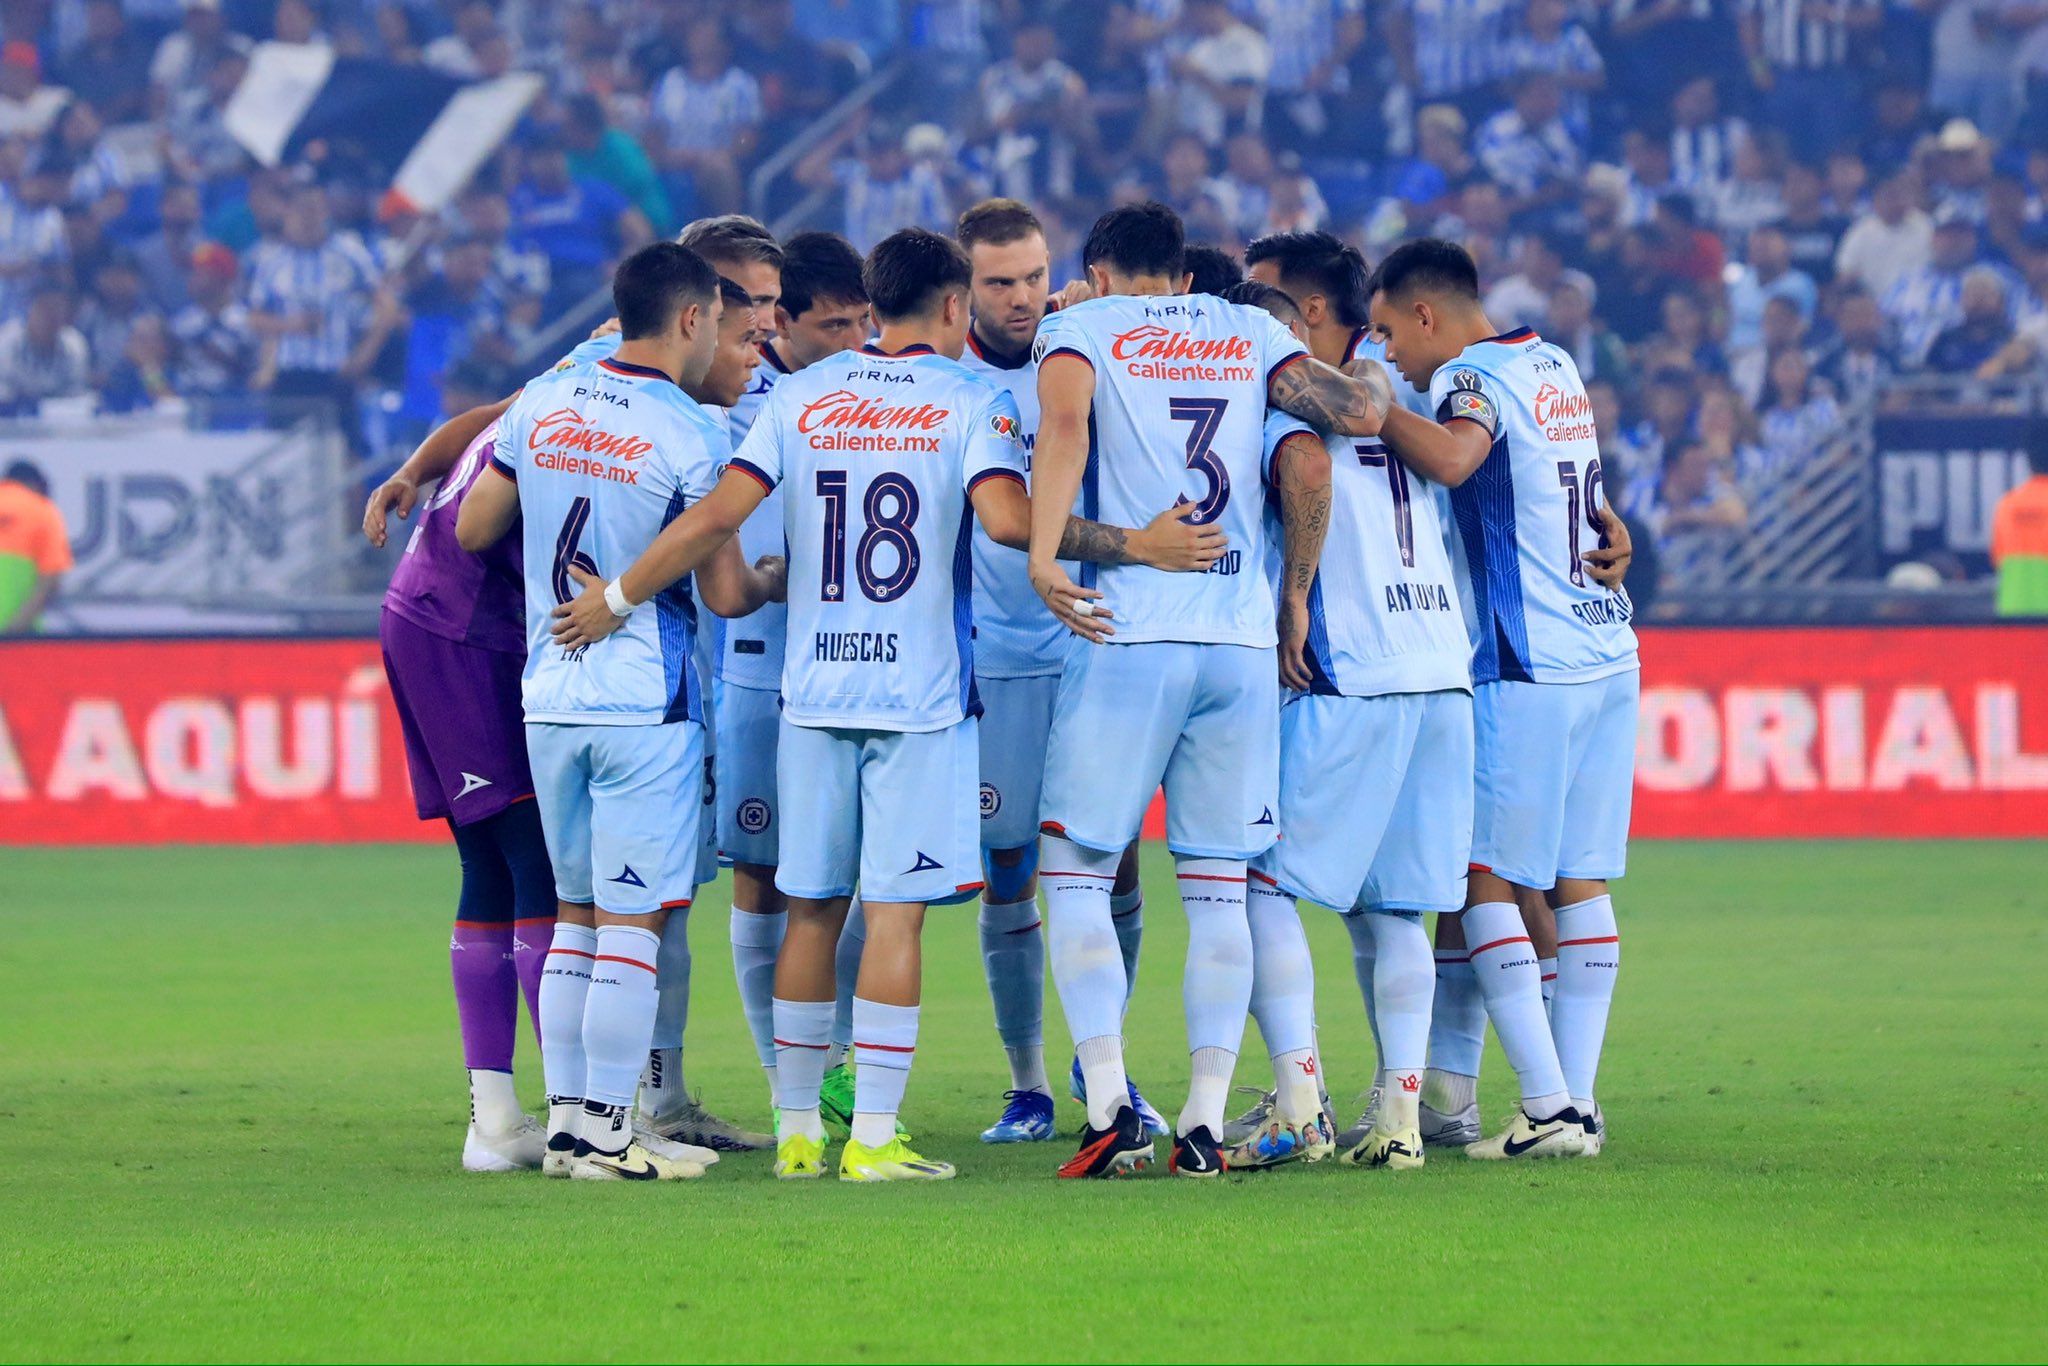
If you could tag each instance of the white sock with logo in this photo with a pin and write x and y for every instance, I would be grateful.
(1504, 964)
(1087, 966)
(1216, 985)
(803, 1032)
(1284, 995)
(1403, 984)
(564, 990)
(618, 1016)
(884, 1047)
(1588, 960)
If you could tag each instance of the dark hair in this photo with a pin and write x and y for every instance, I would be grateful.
(735, 296)
(732, 238)
(1214, 269)
(1277, 302)
(911, 270)
(1334, 267)
(1429, 265)
(1138, 239)
(997, 223)
(820, 267)
(656, 283)
(27, 474)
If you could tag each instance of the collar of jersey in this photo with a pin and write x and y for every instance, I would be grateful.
(1520, 334)
(625, 367)
(914, 349)
(997, 358)
(768, 354)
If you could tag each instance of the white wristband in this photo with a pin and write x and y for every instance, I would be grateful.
(615, 599)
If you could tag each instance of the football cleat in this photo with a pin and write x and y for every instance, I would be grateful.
(1149, 1117)
(1595, 1130)
(521, 1150)
(1440, 1130)
(1355, 1135)
(835, 1101)
(1251, 1121)
(1197, 1154)
(799, 1158)
(1319, 1135)
(1027, 1118)
(692, 1124)
(560, 1152)
(636, 1163)
(1562, 1135)
(1400, 1152)
(893, 1161)
(1122, 1149)
(672, 1149)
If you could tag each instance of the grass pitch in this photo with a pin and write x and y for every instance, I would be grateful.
(231, 1089)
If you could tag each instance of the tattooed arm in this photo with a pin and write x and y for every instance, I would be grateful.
(1331, 400)
(1169, 541)
(1301, 472)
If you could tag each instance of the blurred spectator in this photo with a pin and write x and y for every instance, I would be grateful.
(1632, 294)
(1769, 274)
(28, 107)
(1749, 197)
(458, 305)
(294, 21)
(200, 146)
(1248, 179)
(317, 305)
(1812, 232)
(216, 347)
(1703, 139)
(598, 151)
(1296, 204)
(1569, 322)
(1799, 60)
(109, 69)
(1686, 251)
(1446, 51)
(31, 227)
(1975, 51)
(1647, 159)
(1033, 110)
(1523, 298)
(1957, 171)
(2013, 233)
(1926, 302)
(519, 273)
(140, 378)
(1427, 182)
(166, 254)
(1899, 123)
(883, 189)
(799, 77)
(1798, 422)
(35, 548)
(1527, 149)
(1781, 328)
(1695, 511)
(581, 226)
(42, 355)
(112, 310)
(1890, 242)
(1861, 362)
(1982, 330)
(1550, 43)
(2019, 540)
(1213, 80)
(705, 114)
(1684, 342)
(461, 53)
(1727, 428)
(187, 56)
(1313, 45)
(1665, 424)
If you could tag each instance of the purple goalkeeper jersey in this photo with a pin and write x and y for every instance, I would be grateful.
(478, 600)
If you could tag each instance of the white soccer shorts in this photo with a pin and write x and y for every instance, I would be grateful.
(1554, 776)
(620, 807)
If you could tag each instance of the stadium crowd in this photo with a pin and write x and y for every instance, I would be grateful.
(1742, 217)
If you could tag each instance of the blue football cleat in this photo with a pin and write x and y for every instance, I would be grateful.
(1154, 1125)
(1027, 1118)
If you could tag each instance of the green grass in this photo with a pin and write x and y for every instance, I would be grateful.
(231, 1096)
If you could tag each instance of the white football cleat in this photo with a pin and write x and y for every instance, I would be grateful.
(691, 1123)
(520, 1150)
(670, 1148)
(1440, 1130)
(1353, 1136)
(1400, 1152)
(1595, 1127)
(1562, 1135)
(1241, 1130)
(634, 1164)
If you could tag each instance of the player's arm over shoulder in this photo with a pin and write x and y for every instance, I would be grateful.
(1450, 449)
(1333, 400)
(492, 504)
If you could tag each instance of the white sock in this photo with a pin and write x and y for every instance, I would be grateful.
(1207, 1088)
(1364, 954)
(1013, 960)
(1457, 1018)
(661, 1081)
(672, 981)
(1448, 1092)
(1588, 960)
(853, 937)
(1127, 913)
(803, 1030)
(493, 1102)
(1283, 997)
(1504, 963)
(606, 1128)
(1548, 968)
(756, 940)
(1087, 966)
(564, 990)
(618, 1016)
(1403, 985)
(565, 1116)
(1102, 1077)
(884, 1046)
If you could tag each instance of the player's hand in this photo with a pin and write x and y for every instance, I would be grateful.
(1067, 598)
(586, 620)
(604, 329)
(1173, 543)
(1609, 565)
(396, 494)
(776, 568)
(1073, 292)
(1292, 623)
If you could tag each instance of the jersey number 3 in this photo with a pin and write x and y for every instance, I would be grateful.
(1206, 415)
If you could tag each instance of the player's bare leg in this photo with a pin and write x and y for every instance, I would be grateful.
(1588, 960)
(1504, 960)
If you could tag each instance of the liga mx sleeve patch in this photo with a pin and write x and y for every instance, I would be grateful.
(1468, 402)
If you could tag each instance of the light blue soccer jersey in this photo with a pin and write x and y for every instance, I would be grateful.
(1015, 633)
(1179, 416)
(876, 455)
(606, 454)
(1525, 517)
(751, 655)
(1383, 607)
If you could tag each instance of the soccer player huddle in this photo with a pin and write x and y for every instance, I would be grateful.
(901, 582)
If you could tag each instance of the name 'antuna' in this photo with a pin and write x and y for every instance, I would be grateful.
(1153, 342)
(844, 408)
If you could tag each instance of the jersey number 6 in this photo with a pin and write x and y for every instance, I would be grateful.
(567, 556)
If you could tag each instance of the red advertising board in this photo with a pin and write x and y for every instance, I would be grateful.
(1904, 731)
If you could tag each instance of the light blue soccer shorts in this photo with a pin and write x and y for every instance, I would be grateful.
(1016, 719)
(749, 721)
(1202, 719)
(891, 810)
(620, 808)
(1375, 801)
(1555, 771)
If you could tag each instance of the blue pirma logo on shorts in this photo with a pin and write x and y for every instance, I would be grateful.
(753, 815)
(991, 800)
